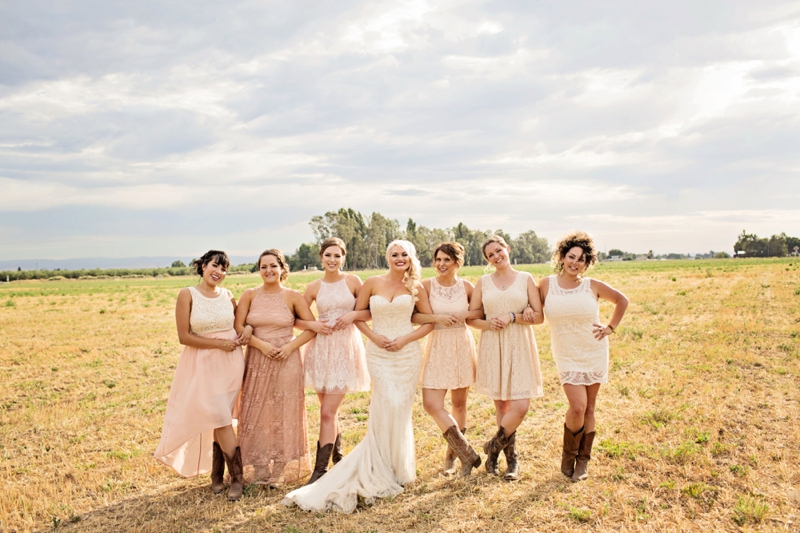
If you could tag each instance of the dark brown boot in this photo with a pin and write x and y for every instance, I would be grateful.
(492, 449)
(572, 443)
(237, 475)
(217, 469)
(582, 462)
(450, 458)
(512, 464)
(321, 463)
(466, 454)
(337, 454)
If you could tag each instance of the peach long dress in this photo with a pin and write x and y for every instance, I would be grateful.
(273, 432)
(204, 389)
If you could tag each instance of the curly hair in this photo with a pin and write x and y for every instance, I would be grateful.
(454, 251)
(494, 238)
(281, 262)
(218, 256)
(332, 241)
(413, 271)
(569, 241)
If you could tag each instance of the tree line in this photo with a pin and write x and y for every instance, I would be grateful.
(366, 238)
(751, 245)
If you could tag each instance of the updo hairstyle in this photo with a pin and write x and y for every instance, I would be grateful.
(332, 241)
(454, 251)
(494, 238)
(217, 256)
(567, 243)
(281, 262)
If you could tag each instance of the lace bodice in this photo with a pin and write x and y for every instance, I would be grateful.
(571, 308)
(269, 316)
(449, 301)
(497, 302)
(211, 314)
(334, 300)
(391, 319)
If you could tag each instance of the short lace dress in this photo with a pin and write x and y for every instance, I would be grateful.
(204, 389)
(273, 433)
(449, 361)
(580, 358)
(336, 363)
(508, 361)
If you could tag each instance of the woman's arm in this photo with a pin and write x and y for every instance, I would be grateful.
(299, 307)
(242, 311)
(424, 306)
(355, 285)
(476, 305)
(183, 312)
(244, 336)
(317, 326)
(362, 304)
(532, 314)
(620, 301)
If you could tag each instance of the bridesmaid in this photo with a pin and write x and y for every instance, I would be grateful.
(508, 362)
(272, 417)
(334, 359)
(449, 362)
(197, 425)
(579, 342)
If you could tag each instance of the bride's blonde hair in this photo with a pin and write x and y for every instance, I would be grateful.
(413, 271)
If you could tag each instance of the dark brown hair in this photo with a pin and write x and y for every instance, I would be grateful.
(454, 250)
(281, 261)
(569, 241)
(218, 256)
(494, 238)
(332, 241)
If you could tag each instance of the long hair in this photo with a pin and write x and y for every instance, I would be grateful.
(413, 271)
(573, 239)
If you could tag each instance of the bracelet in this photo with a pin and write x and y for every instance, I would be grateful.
(613, 330)
(513, 316)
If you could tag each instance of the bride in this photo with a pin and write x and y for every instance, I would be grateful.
(384, 461)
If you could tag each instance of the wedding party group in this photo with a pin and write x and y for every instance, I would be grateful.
(263, 390)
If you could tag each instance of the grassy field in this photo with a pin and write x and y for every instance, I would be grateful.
(698, 427)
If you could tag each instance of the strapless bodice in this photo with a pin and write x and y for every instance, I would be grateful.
(391, 319)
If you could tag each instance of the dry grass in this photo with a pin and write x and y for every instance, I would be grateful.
(697, 427)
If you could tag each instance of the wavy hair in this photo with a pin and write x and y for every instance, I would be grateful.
(582, 240)
(413, 271)
(220, 257)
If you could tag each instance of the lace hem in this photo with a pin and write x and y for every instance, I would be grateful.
(582, 378)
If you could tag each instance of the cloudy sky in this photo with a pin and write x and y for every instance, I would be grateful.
(167, 128)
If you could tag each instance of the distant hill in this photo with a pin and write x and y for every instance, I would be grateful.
(105, 262)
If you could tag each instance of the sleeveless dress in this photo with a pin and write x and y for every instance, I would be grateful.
(204, 389)
(272, 413)
(384, 461)
(508, 361)
(580, 358)
(449, 361)
(336, 363)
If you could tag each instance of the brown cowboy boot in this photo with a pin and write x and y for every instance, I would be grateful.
(572, 443)
(492, 449)
(582, 462)
(217, 469)
(321, 464)
(512, 464)
(450, 458)
(337, 454)
(237, 475)
(467, 455)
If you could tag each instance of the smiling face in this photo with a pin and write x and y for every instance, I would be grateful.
(332, 259)
(574, 261)
(270, 269)
(214, 272)
(496, 254)
(399, 259)
(444, 264)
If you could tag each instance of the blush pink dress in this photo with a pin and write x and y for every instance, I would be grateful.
(204, 389)
(336, 363)
(450, 350)
(273, 434)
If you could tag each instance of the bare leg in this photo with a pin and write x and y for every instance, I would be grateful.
(458, 397)
(501, 407)
(514, 414)
(591, 400)
(433, 402)
(226, 439)
(578, 398)
(328, 416)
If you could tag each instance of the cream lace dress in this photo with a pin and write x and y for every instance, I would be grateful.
(508, 361)
(204, 389)
(336, 363)
(580, 358)
(384, 461)
(449, 361)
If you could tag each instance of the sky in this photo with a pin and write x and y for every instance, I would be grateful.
(168, 128)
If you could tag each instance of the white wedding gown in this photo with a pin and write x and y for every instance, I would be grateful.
(384, 461)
